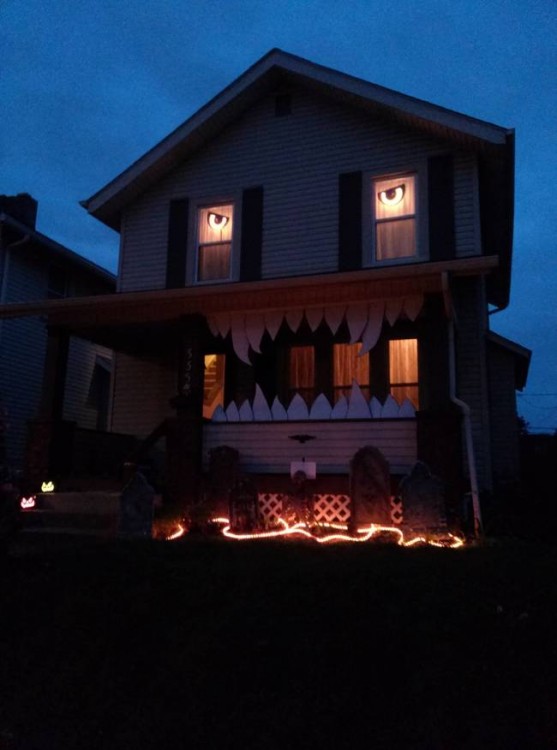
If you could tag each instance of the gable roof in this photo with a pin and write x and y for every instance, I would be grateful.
(494, 144)
(276, 67)
(57, 251)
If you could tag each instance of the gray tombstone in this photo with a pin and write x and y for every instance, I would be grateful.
(423, 501)
(136, 507)
(244, 507)
(370, 489)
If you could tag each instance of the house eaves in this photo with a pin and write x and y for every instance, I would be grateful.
(274, 69)
(520, 353)
(56, 250)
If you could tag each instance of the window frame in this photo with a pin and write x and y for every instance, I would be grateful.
(192, 265)
(369, 251)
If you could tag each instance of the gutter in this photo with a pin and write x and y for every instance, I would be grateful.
(464, 409)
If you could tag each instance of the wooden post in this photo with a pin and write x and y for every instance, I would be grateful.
(184, 431)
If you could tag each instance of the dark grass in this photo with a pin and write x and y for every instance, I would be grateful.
(215, 644)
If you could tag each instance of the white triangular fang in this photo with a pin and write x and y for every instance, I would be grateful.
(373, 328)
(212, 323)
(314, 316)
(245, 412)
(294, 318)
(261, 411)
(390, 408)
(413, 305)
(278, 411)
(219, 414)
(375, 408)
(358, 407)
(222, 322)
(340, 409)
(321, 408)
(356, 318)
(298, 409)
(393, 309)
(255, 328)
(232, 413)
(273, 321)
(334, 317)
(239, 338)
(407, 409)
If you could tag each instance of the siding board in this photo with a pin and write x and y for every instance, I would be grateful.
(266, 447)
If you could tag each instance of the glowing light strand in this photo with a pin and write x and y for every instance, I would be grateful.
(365, 533)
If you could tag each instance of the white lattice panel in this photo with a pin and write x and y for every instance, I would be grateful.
(270, 507)
(331, 508)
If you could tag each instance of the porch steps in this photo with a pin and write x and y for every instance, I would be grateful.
(91, 513)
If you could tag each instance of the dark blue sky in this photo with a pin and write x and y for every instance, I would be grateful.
(87, 88)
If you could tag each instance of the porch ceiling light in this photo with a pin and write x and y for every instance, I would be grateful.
(392, 196)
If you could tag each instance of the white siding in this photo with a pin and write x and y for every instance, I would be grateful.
(472, 381)
(142, 390)
(466, 194)
(266, 448)
(22, 353)
(297, 159)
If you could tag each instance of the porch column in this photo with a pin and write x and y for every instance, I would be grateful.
(184, 433)
(49, 451)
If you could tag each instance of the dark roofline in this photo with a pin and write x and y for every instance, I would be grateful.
(521, 354)
(60, 250)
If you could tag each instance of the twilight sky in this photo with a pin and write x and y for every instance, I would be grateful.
(86, 88)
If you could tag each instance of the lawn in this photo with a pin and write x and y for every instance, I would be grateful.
(207, 643)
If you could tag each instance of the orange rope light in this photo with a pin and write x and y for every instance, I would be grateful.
(365, 533)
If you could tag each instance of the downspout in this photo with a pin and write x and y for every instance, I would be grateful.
(464, 409)
(6, 268)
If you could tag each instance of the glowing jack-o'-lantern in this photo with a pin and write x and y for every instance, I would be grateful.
(27, 502)
(47, 487)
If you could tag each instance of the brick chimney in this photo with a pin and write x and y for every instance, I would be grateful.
(22, 207)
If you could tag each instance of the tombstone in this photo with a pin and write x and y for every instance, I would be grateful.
(136, 507)
(223, 475)
(244, 507)
(370, 489)
(423, 501)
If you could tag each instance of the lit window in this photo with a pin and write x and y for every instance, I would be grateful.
(403, 370)
(213, 383)
(394, 202)
(347, 367)
(302, 372)
(215, 225)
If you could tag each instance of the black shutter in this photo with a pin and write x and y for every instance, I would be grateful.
(252, 234)
(177, 246)
(350, 221)
(441, 208)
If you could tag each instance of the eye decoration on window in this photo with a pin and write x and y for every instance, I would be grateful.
(217, 221)
(392, 196)
(394, 209)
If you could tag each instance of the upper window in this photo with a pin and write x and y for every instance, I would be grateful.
(215, 226)
(57, 284)
(394, 217)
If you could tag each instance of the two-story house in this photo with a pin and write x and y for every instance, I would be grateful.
(313, 254)
(34, 268)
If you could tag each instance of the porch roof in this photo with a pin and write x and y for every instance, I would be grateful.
(126, 321)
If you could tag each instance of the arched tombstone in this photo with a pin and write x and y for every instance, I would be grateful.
(423, 501)
(136, 506)
(244, 508)
(370, 489)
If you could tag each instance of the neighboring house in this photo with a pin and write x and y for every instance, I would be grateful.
(313, 254)
(34, 267)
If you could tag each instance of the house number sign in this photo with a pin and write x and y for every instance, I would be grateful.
(187, 372)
